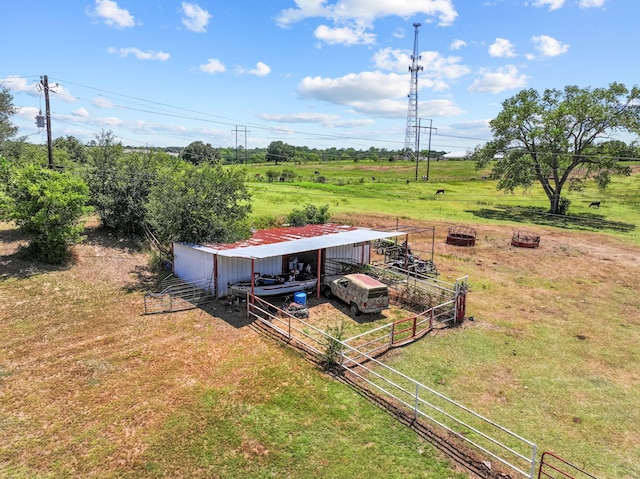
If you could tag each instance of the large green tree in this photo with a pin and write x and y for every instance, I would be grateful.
(554, 136)
(7, 129)
(49, 207)
(198, 152)
(199, 204)
(119, 183)
(279, 151)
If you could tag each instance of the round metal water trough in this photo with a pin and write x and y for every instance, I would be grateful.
(461, 236)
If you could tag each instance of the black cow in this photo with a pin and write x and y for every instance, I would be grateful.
(440, 191)
(594, 204)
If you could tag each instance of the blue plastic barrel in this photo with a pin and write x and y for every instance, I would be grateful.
(300, 297)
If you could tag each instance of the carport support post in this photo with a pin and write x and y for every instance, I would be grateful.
(406, 255)
(318, 274)
(253, 283)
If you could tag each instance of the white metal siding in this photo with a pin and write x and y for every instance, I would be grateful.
(191, 264)
(351, 252)
(233, 270)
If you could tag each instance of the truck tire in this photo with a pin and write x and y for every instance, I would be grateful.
(353, 307)
(327, 293)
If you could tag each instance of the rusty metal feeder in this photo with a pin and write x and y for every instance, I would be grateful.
(525, 239)
(461, 236)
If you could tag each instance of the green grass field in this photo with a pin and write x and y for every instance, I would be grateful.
(351, 191)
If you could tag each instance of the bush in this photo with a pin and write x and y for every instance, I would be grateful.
(333, 347)
(48, 206)
(310, 215)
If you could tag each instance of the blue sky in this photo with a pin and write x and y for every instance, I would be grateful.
(320, 73)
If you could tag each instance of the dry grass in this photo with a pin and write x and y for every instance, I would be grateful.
(83, 371)
(87, 381)
(553, 349)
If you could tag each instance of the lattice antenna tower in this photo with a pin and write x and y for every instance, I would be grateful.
(411, 135)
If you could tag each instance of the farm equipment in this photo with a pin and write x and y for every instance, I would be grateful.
(400, 256)
(295, 309)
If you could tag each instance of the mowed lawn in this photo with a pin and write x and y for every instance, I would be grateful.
(91, 387)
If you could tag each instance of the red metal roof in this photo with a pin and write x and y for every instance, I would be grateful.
(283, 234)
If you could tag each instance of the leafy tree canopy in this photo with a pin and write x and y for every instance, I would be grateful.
(7, 129)
(551, 136)
(198, 152)
(278, 151)
(199, 204)
(49, 207)
(72, 148)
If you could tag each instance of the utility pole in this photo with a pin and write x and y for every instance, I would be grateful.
(45, 85)
(244, 128)
(245, 146)
(430, 128)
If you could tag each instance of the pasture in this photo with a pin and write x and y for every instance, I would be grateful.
(91, 387)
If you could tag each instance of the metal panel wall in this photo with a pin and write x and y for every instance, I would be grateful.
(233, 270)
(191, 264)
(359, 253)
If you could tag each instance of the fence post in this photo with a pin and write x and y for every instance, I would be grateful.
(533, 462)
(415, 408)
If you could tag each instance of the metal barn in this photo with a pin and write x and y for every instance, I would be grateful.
(273, 252)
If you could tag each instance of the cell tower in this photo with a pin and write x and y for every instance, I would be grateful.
(411, 135)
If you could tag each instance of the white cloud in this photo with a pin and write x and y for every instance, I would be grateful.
(355, 87)
(505, 78)
(501, 48)
(16, 84)
(28, 112)
(195, 18)
(441, 107)
(437, 68)
(304, 117)
(367, 10)
(344, 35)
(398, 33)
(261, 70)
(371, 93)
(553, 4)
(102, 103)
(112, 121)
(457, 44)
(213, 65)
(112, 14)
(139, 54)
(591, 3)
(81, 112)
(549, 46)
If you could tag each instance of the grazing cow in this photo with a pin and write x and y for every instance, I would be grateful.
(316, 173)
(408, 181)
(594, 204)
(440, 191)
(373, 178)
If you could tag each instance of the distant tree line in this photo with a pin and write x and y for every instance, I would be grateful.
(279, 152)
